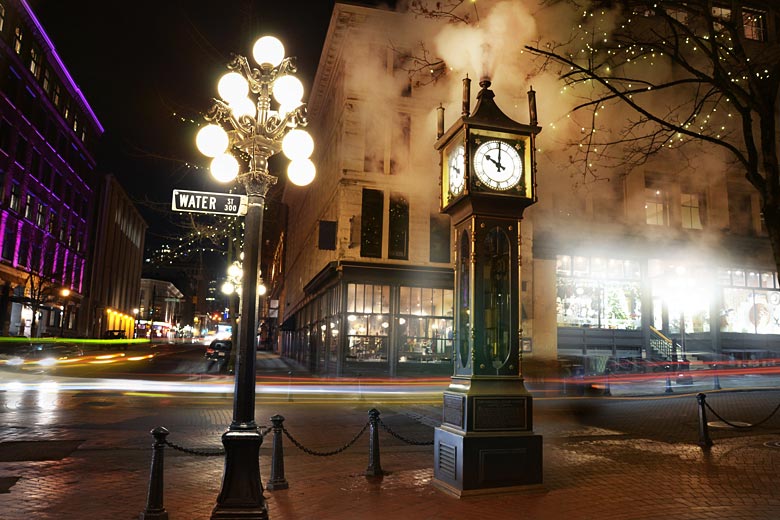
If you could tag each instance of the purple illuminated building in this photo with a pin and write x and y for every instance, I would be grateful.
(49, 187)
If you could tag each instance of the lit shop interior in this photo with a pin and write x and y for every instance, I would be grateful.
(722, 313)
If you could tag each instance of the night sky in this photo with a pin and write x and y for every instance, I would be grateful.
(149, 68)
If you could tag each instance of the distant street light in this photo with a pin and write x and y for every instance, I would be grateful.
(64, 293)
(135, 322)
(254, 133)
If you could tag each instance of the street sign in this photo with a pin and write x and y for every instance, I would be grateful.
(208, 202)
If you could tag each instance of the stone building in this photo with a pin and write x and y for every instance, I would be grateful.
(611, 271)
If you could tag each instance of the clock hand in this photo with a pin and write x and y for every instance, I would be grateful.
(499, 167)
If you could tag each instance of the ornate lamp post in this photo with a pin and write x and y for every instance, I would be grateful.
(246, 131)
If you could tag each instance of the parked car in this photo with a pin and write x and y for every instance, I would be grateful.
(219, 350)
(114, 335)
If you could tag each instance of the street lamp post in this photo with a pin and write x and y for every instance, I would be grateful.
(135, 322)
(64, 293)
(254, 133)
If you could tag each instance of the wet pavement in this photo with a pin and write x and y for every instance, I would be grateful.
(85, 454)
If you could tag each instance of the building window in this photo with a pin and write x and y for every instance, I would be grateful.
(751, 302)
(29, 206)
(15, 197)
(23, 257)
(425, 323)
(754, 23)
(56, 96)
(35, 61)
(40, 216)
(368, 322)
(398, 247)
(691, 211)
(2, 17)
(440, 238)
(327, 235)
(35, 255)
(22, 147)
(35, 163)
(740, 213)
(656, 209)
(9, 239)
(598, 292)
(371, 223)
(720, 15)
(51, 225)
(5, 135)
(18, 40)
(374, 154)
(47, 80)
(401, 142)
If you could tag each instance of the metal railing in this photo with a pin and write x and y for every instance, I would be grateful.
(705, 441)
(155, 509)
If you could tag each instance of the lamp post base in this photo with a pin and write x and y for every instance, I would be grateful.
(241, 496)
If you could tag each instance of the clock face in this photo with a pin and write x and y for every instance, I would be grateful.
(457, 170)
(497, 165)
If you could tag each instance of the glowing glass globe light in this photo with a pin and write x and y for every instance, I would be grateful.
(232, 87)
(224, 167)
(301, 172)
(212, 140)
(235, 271)
(243, 107)
(268, 51)
(228, 288)
(297, 144)
(288, 91)
(261, 290)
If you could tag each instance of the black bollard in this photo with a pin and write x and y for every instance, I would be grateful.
(277, 480)
(374, 467)
(716, 378)
(668, 380)
(154, 501)
(704, 433)
(607, 390)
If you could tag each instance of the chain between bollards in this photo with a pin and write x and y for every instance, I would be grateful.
(155, 510)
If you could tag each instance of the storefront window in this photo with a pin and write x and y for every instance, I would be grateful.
(425, 325)
(601, 293)
(368, 322)
(750, 310)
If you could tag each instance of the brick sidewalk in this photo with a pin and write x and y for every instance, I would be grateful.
(607, 459)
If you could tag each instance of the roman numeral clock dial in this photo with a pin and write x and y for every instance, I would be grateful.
(497, 164)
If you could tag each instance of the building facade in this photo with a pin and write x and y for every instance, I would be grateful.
(160, 309)
(114, 299)
(662, 261)
(48, 137)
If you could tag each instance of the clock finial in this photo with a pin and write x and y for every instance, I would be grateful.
(466, 107)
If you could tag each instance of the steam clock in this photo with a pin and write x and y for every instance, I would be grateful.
(486, 438)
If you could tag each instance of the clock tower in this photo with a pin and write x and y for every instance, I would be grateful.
(488, 178)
